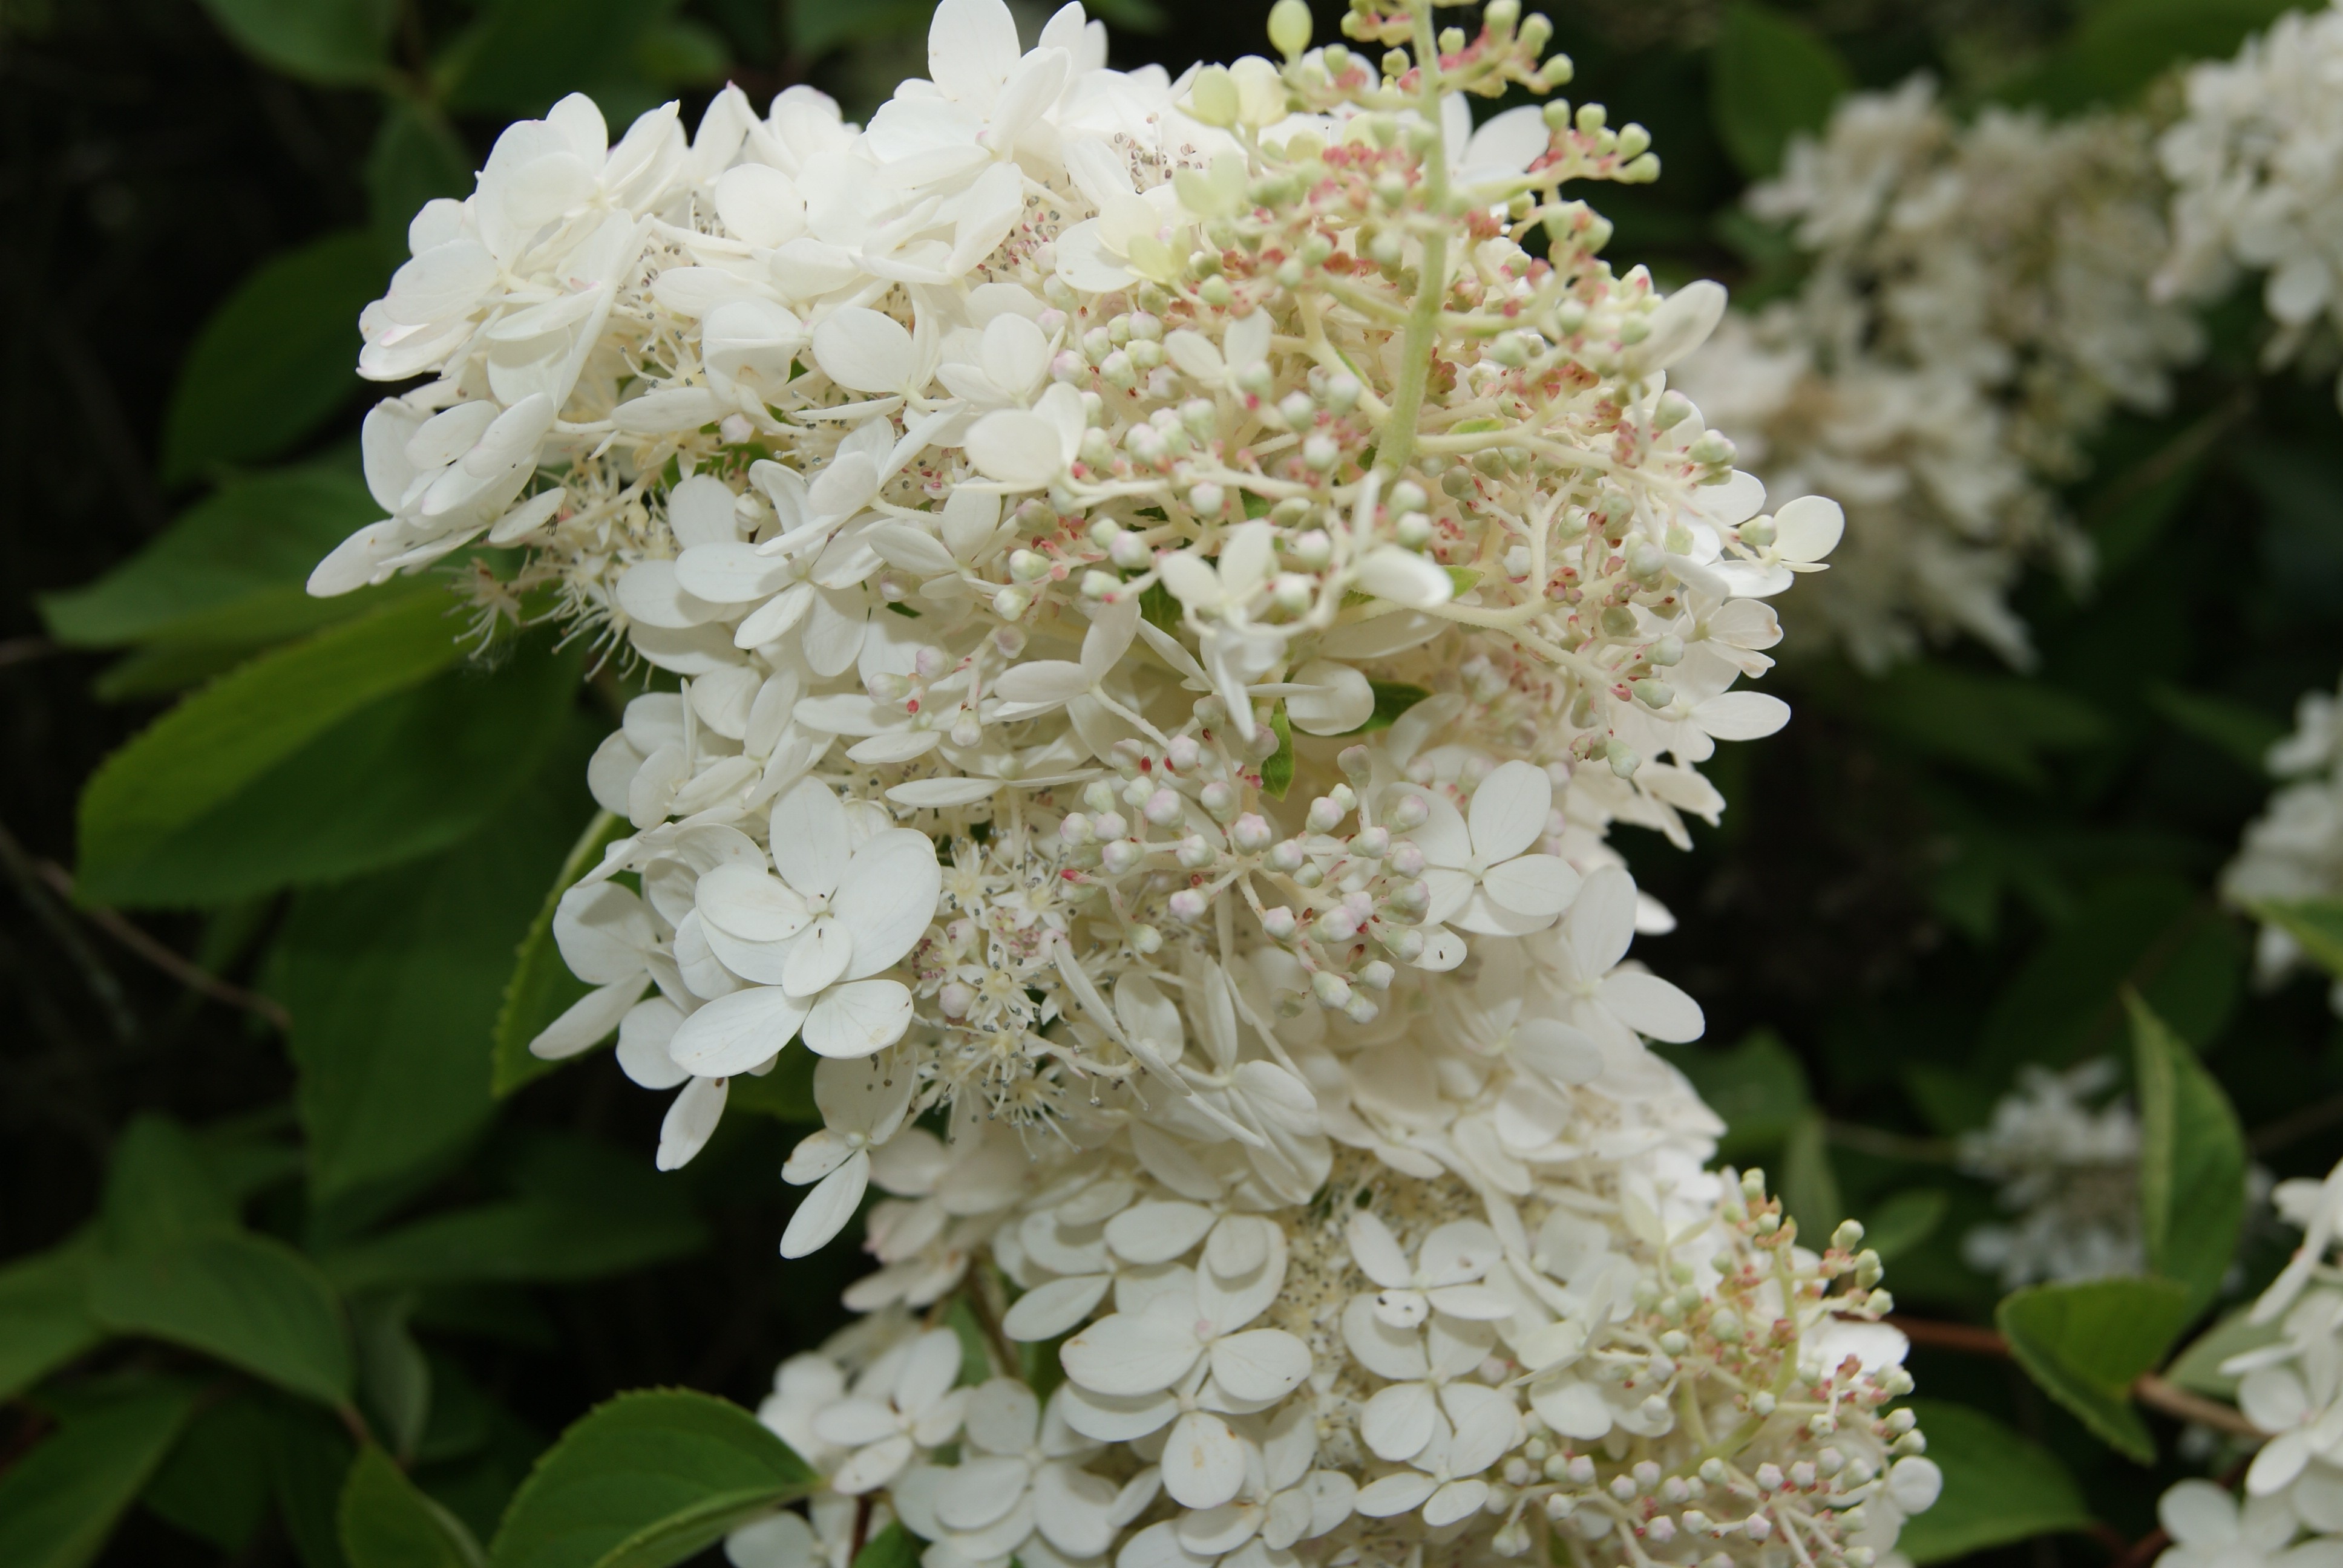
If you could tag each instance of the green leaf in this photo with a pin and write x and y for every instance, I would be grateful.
(341, 43)
(647, 1480)
(2121, 45)
(540, 987)
(815, 30)
(221, 741)
(2085, 1343)
(1769, 77)
(1904, 1219)
(249, 1300)
(160, 1190)
(893, 1547)
(2153, 933)
(2315, 924)
(1392, 699)
(2003, 725)
(278, 355)
(59, 1502)
(309, 1456)
(1809, 1186)
(582, 1210)
(394, 982)
(522, 55)
(1999, 1487)
(394, 1377)
(2197, 1368)
(416, 158)
(1277, 772)
(43, 1322)
(2238, 732)
(242, 553)
(215, 1484)
(387, 1522)
(682, 53)
(1758, 1089)
(2192, 1160)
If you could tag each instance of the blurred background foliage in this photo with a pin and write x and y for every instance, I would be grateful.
(267, 1199)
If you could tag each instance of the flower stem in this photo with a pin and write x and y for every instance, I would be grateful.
(1432, 277)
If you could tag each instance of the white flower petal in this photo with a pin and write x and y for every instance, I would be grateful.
(1203, 1461)
(859, 1018)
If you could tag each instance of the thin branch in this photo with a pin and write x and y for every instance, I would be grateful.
(59, 923)
(2315, 1117)
(195, 978)
(2175, 1401)
(26, 649)
(1888, 1145)
(1965, 1338)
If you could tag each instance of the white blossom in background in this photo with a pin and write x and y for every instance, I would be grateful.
(2257, 166)
(2294, 850)
(1165, 595)
(1977, 298)
(2063, 1153)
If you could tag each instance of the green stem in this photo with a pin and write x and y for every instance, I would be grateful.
(1431, 279)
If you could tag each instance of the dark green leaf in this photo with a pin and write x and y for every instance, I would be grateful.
(2121, 45)
(215, 1485)
(309, 1454)
(1769, 77)
(1809, 1186)
(240, 555)
(416, 158)
(816, 30)
(2000, 725)
(2197, 1368)
(2153, 933)
(2232, 728)
(2085, 1343)
(1758, 1088)
(341, 43)
(43, 1322)
(249, 1300)
(1277, 772)
(386, 1523)
(645, 1480)
(1999, 1487)
(279, 355)
(582, 1209)
(1904, 1220)
(893, 1547)
(59, 1502)
(975, 1356)
(540, 987)
(160, 1189)
(220, 743)
(393, 1378)
(681, 53)
(1391, 698)
(393, 981)
(522, 55)
(2315, 924)
(2192, 1162)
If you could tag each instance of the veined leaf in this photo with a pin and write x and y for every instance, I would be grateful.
(388, 1522)
(645, 1481)
(2085, 1342)
(1769, 77)
(522, 55)
(215, 1484)
(1999, 1487)
(43, 1321)
(540, 987)
(1277, 771)
(340, 43)
(228, 737)
(281, 353)
(2315, 924)
(249, 1300)
(2197, 1368)
(2192, 1160)
(59, 1502)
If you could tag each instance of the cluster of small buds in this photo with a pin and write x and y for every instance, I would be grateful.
(1165, 587)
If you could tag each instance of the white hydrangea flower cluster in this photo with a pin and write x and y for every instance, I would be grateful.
(2066, 1158)
(2294, 850)
(1167, 594)
(2292, 1511)
(1978, 299)
(2257, 166)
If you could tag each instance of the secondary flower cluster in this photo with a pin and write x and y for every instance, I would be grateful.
(2294, 850)
(2286, 1388)
(2065, 1157)
(2257, 168)
(1166, 587)
(1978, 297)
